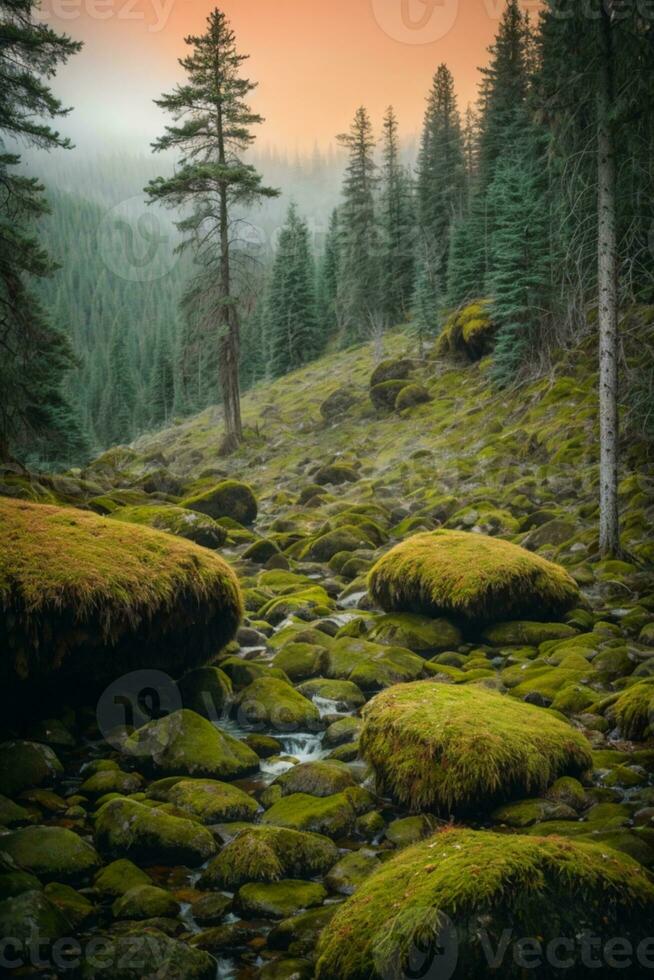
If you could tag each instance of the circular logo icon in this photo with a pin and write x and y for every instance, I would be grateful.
(133, 700)
(422, 944)
(416, 21)
(135, 241)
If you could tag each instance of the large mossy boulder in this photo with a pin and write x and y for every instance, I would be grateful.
(147, 954)
(464, 749)
(184, 523)
(186, 744)
(261, 853)
(334, 816)
(128, 829)
(471, 577)
(227, 499)
(87, 599)
(273, 702)
(393, 369)
(450, 899)
(468, 332)
(51, 853)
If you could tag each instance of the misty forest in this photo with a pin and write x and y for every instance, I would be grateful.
(326, 522)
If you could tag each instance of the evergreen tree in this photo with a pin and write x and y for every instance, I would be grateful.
(162, 383)
(36, 355)
(397, 227)
(425, 308)
(291, 315)
(359, 292)
(519, 276)
(212, 130)
(441, 176)
(328, 280)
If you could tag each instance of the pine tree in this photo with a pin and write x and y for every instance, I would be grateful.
(425, 307)
(36, 355)
(291, 314)
(161, 389)
(212, 130)
(397, 227)
(359, 293)
(519, 275)
(328, 281)
(441, 176)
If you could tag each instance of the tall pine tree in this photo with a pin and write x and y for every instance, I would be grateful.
(397, 221)
(212, 130)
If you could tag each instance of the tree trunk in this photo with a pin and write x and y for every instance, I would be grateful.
(608, 300)
(229, 337)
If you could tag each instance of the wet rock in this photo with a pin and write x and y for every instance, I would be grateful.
(346, 695)
(275, 703)
(287, 970)
(315, 778)
(207, 691)
(353, 868)
(278, 899)
(119, 877)
(334, 816)
(51, 853)
(409, 830)
(145, 902)
(206, 800)
(210, 909)
(125, 828)
(420, 634)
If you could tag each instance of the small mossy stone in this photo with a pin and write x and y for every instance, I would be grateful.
(334, 816)
(13, 883)
(337, 404)
(299, 661)
(345, 695)
(145, 902)
(393, 369)
(24, 765)
(51, 853)
(335, 473)
(278, 899)
(186, 744)
(265, 746)
(409, 830)
(343, 731)
(198, 528)
(299, 933)
(522, 880)
(348, 873)
(526, 813)
(523, 633)
(273, 702)
(111, 781)
(75, 906)
(210, 909)
(126, 828)
(227, 499)
(206, 690)
(12, 814)
(420, 634)
(118, 877)
(410, 396)
(472, 577)
(315, 778)
(454, 748)
(261, 551)
(569, 791)
(268, 853)
(148, 954)
(208, 800)
(384, 395)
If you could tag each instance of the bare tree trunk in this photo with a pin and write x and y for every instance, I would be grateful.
(608, 299)
(229, 340)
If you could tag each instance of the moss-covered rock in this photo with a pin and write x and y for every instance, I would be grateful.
(124, 596)
(25, 917)
(24, 765)
(274, 702)
(347, 537)
(410, 396)
(12, 814)
(526, 813)
(278, 899)
(371, 666)
(147, 955)
(471, 577)
(268, 853)
(299, 933)
(345, 694)
(321, 778)
(210, 909)
(186, 744)
(335, 473)
(119, 877)
(392, 369)
(125, 828)
(145, 902)
(227, 499)
(261, 551)
(193, 526)
(523, 633)
(455, 749)
(409, 830)
(75, 906)
(421, 634)
(338, 403)
(334, 816)
(299, 661)
(384, 395)
(295, 969)
(51, 853)
(353, 868)
(546, 888)
(342, 731)
(468, 332)
(111, 781)
(306, 604)
(633, 710)
(207, 800)
(207, 691)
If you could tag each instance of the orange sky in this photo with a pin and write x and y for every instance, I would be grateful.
(315, 60)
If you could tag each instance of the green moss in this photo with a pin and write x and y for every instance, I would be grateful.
(469, 576)
(261, 551)
(421, 634)
(349, 537)
(268, 854)
(526, 813)
(545, 887)
(308, 604)
(322, 778)
(227, 499)
(111, 781)
(468, 332)
(384, 395)
(410, 396)
(461, 748)
(186, 744)
(370, 666)
(51, 853)
(24, 765)
(346, 694)
(127, 829)
(184, 523)
(207, 691)
(28, 915)
(270, 701)
(634, 709)
(278, 899)
(123, 593)
(409, 830)
(145, 902)
(118, 877)
(334, 815)
(526, 633)
(392, 369)
(207, 800)
(299, 661)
